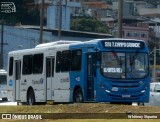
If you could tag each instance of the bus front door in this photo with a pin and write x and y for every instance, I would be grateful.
(90, 76)
(49, 76)
(17, 79)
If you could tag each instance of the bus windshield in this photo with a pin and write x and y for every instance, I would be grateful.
(124, 65)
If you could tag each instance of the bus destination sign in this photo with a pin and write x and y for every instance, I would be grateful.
(123, 44)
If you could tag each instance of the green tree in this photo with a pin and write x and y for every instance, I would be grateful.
(89, 25)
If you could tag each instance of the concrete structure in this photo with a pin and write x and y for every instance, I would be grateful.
(131, 7)
(53, 18)
(24, 37)
(136, 31)
(149, 12)
(20, 38)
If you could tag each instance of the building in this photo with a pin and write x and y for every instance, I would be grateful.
(25, 37)
(136, 31)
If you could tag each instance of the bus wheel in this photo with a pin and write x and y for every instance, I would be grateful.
(5, 99)
(140, 104)
(31, 97)
(78, 97)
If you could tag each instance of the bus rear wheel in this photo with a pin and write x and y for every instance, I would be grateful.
(78, 96)
(31, 97)
(5, 99)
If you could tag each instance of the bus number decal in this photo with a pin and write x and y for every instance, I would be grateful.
(38, 82)
(64, 80)
(23, 83)
(113, 70)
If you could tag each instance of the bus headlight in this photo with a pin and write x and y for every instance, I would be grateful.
(107, 91)
(143, 91)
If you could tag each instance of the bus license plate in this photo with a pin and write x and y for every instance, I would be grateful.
(126, 96)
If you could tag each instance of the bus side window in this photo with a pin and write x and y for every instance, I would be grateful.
(58, 61)
(76, 60)
(38, 63)
(65, 60)
(11, 66)
(27, 64)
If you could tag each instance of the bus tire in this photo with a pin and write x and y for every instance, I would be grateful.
(30, 97)
(140, 104)
(78, 96)
(5, 99)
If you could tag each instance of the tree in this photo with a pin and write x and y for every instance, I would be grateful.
(88, 24)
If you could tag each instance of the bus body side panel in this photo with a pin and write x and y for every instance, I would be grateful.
(11, 79)
(10, 86)
(61, 83)
(36, 82)
(61, 87)
(79, 78)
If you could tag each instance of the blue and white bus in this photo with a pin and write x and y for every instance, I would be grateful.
(100, 70)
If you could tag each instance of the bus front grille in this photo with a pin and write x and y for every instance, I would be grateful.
(125, 84)
(128, 97)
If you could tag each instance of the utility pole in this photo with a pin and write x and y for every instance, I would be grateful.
(2, 44)
(154, 72)
(154, 66)
(60, 19)
(1, 56)
(120, 17)
(41, 22)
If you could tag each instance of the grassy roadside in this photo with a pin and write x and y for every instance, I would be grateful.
(87, 108)
(80, 108)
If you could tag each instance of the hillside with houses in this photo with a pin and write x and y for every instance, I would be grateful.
(141, 20)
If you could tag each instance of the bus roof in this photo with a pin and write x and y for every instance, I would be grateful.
(55, 43)
(115, 39)
(64, 44)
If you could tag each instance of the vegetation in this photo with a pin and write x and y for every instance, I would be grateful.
(107, 110)
(80, 108)
(88, 25)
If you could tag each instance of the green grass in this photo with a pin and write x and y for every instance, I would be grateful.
(80, 108)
